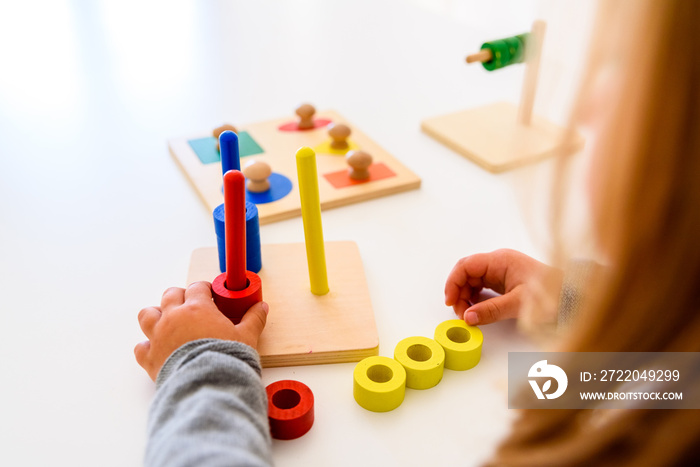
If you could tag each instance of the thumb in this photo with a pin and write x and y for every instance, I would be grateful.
(504, 306)
(254, 320)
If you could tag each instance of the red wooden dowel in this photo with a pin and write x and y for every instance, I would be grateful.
(234, 215)
(235, 290)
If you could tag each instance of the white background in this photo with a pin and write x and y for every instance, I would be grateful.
(97, 220)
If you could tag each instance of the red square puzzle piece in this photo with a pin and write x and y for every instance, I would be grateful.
(341, 178)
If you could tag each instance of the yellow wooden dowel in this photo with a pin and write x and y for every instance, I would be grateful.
(311, 216)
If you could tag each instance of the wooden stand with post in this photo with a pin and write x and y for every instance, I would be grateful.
(501, 136)
(320, 308)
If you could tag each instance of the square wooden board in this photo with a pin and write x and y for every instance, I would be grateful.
(492, 137)
(279, 151)
(302, 328)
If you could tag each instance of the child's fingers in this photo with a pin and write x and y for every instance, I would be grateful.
(141, 353)
(460, 307)
(462, 302)
(174, 296)
(495, 309)
(469, 271)
(198, 291)
(148, 317)
(254, 320)
(455, 285)
(454, 294)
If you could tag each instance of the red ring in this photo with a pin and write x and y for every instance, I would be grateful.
(290, 409)
(234, 303)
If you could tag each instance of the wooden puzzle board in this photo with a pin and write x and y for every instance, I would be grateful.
(279, 151)
(302, 328)
(492, 137)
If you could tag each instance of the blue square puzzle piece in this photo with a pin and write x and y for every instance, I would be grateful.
(206, 151)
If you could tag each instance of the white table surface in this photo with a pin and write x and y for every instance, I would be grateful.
(97, 220)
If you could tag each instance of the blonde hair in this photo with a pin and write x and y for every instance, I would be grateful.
(646, 211)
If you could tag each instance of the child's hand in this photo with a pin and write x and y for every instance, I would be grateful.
(188, 315)
(507, 272)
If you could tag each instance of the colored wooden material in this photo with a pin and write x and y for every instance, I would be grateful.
(492, 137)
(280, 186)
(379, 384)
(462, 344)
(303, 328)
(235, 290)
(279, 148)
(230, 156)
(207, 151)
(294, 126)
(234, 215)
(311, 215)
(505, 52)
(252, 237)
(234, 303)
(342, 179)
(290, 409)
(423, 359)
(326, 148)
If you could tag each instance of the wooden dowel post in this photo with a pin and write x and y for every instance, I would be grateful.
(234, 213)
(311, 216)
(533, 51)
(484, 55)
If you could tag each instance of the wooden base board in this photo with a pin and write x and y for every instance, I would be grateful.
(302, 328)
(279, 151)
(492, 137)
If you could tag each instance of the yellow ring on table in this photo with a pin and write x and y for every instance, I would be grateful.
(379, 384)
(462, 344)
(423, 359)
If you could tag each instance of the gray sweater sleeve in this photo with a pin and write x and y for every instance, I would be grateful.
(574, 288)
(210, 408)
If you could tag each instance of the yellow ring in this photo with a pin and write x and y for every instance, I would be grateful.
(423, 359)
(462, 344)
(379, 384)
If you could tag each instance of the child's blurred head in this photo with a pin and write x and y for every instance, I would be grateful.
(641, 97)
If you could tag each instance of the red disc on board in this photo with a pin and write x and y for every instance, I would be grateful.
(290, 409)
(294, 126)
(234, 303)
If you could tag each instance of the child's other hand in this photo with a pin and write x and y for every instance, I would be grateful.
(186, 315)
(507, 272)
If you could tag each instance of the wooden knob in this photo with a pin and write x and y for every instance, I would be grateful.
(218, 130)
(339, 134)
(359, 162)
(257, 173)
(306, 116)
(226, 126)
